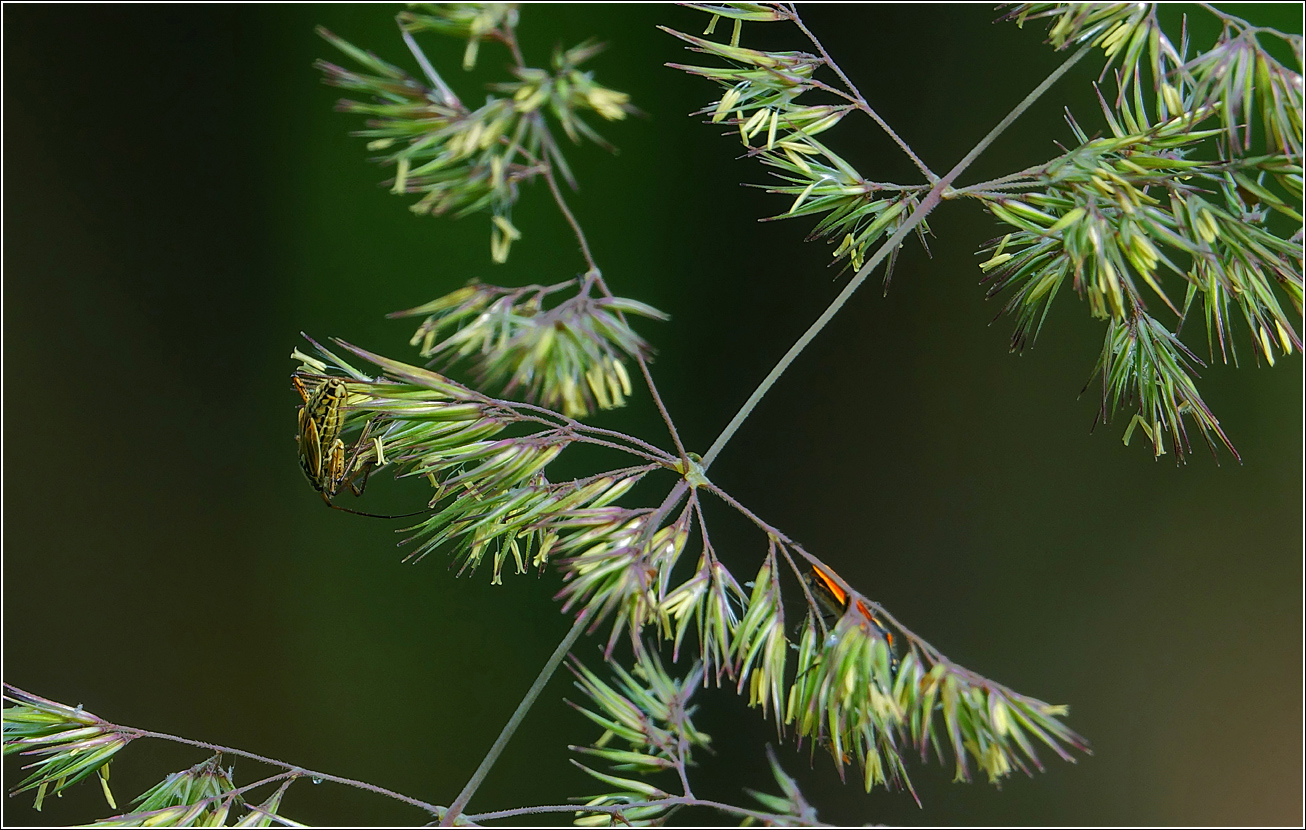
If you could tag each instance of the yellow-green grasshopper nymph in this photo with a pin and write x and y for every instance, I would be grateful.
(322, 454)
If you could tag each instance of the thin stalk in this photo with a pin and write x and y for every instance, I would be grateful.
(1017, 179)
(618, 809)
(663, 461)
(510, 37)
(543, 416)
(567, 431)
(571, 218)
(290, 768)
(786, 543)
(431, 75)
(603, 286)
(555, 659)
(927, 205)
(660, 461)
(857, 96)
(1006, 192)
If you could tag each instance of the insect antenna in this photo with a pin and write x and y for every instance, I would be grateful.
(373, 515)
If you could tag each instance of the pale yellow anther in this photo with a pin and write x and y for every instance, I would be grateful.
(727, 101)
(1206, 226)
(473, 137)
(1071, 217)
(620, 369)
(1117, 37)
(1265, 346)
(401, 175)
(796, 159)
(1284, 339)
(1172, 100)
(507, 227)
(1001, 723)
(802, 197)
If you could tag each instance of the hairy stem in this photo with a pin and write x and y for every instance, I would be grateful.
(544, 415)
(555, 659)
(431, 75)
(618, 809)
(857, 98)
(291, 769)
(595, 272)
(509, 36)
(599, 442)
(1021, 179)
(931, 200)
(603, 286)
(788, 543)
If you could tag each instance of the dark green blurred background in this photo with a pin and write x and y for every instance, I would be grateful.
(181, 201)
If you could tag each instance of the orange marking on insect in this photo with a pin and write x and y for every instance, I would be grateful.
(840, 595)
(840, 598)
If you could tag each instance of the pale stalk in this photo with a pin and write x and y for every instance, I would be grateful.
(555, 659)
(931, 200)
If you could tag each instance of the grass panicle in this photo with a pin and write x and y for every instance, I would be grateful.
(570, 357)
(459, 160)
(69, 743)
(492, 499)
(73, 744)
(1188, 194)
(649, 713)
(760, 100)
(1188, 202)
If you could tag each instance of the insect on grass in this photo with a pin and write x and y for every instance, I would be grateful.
(322, 455)
(834, 603)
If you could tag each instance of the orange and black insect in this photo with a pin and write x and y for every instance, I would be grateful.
(834, 602)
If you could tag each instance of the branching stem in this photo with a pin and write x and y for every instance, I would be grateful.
(597, 276)
(619, 809)
(431, 75)
(594, 273)
(555, 659)
(927, 205)
(133, 733)
(1233, 20)
(787, 543)
(543, 414)
(856, 96)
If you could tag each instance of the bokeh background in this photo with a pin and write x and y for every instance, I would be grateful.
(180, 201)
